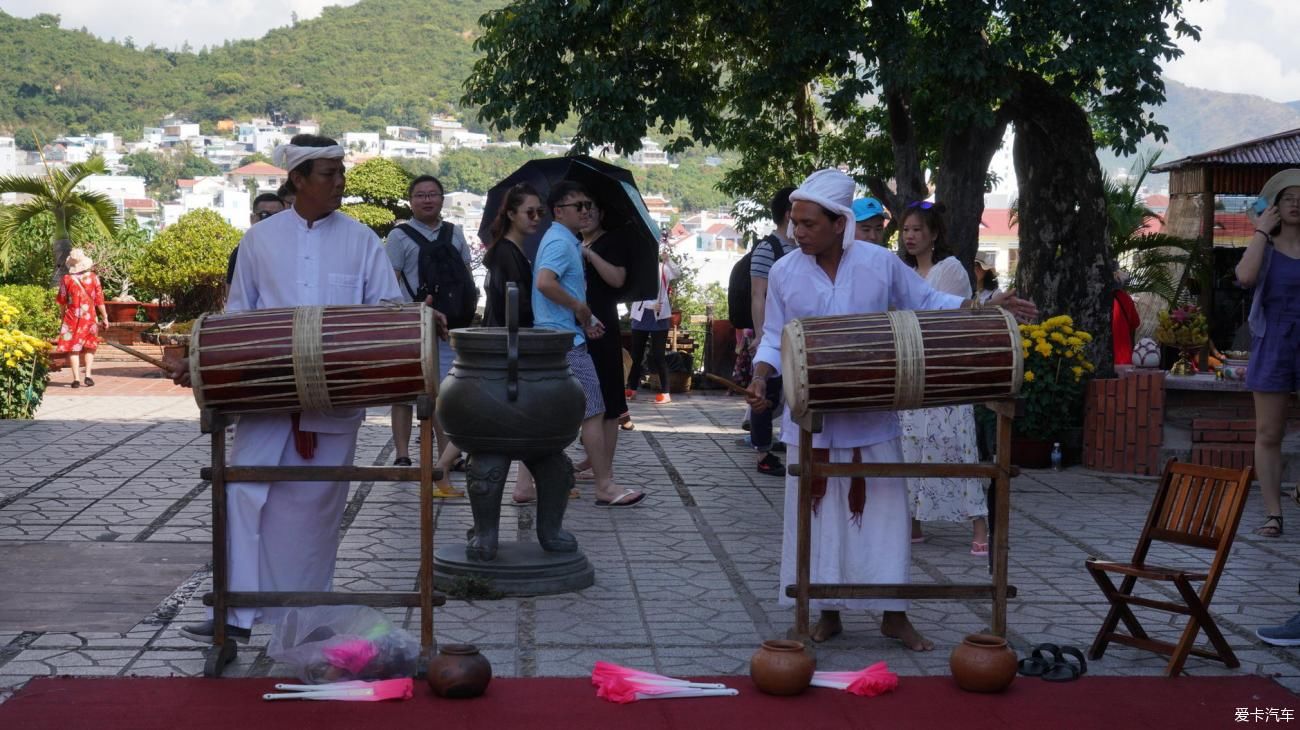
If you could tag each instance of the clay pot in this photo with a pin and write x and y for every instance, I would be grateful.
(782, 667)
(983, 663)
(459, 672)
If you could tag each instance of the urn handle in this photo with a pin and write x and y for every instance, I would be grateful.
(512, 341)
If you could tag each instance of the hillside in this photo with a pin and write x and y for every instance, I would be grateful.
(390, 61)
(1200, 120)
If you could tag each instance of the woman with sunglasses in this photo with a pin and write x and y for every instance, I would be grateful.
(521, 214)
(945, 434)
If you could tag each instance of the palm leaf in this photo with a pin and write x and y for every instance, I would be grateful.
(98, 208)
(26, 185)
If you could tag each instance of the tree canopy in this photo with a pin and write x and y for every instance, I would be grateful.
(887, 88)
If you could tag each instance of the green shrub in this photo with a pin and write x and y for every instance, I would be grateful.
(24, 365)
(187, 262)
(38, 310)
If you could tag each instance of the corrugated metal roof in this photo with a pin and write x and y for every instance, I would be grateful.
(1278, 149)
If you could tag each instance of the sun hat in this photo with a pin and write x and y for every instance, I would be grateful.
(1289, 178)
(865, 208)
(988, 260)
(78, 261)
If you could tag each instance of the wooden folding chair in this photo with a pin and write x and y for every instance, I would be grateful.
(1197, 506)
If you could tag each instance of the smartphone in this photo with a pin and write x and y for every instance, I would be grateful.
(1260, 205)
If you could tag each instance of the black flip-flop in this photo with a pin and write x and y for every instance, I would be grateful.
(1040, 661)
(1065, 670)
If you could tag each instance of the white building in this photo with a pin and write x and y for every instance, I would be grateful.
(263, 176)
(214, 193)
(8, 156)
(649, 154)
(409, 134)
(180, 131)
(115, 187)
(224, 153)
(261, 136)
(452, 134)
(393, 148)
(366, 143)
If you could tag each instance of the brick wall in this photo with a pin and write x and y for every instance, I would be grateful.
(1223, 442)
(1123, 426)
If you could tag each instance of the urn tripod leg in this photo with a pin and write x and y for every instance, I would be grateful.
(553, 475)
(486, 478)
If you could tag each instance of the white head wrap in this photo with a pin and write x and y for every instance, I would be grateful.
(289, 156)
(832, 190)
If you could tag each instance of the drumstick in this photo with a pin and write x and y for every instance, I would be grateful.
(136, 353)
(728, 384)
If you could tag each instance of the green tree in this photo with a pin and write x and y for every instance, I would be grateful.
(940, 79)
(381, 184)
(1155, 261)
(255, 157)
(56, 194)
(191, 165)
(187, 262)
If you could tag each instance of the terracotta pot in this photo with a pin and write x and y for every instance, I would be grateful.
(459, 672)
(155, 312)
(676, 318)
(983, 663)
(782, 667)
(121, 311)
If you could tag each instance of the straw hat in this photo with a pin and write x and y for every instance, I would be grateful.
(987, 260)
(78, 262)
(1286, 179)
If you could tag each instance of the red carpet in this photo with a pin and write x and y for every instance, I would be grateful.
(1112, 703)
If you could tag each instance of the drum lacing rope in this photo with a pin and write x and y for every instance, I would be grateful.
(909, 347)
(308, 362)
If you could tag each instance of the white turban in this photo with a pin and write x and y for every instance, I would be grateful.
(289, 156)
(832, 190)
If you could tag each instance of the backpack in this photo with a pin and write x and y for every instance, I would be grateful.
(739, 289)
(444, 276)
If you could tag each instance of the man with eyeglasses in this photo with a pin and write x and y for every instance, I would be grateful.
(425, 196)
(264, 206)
(560, 303)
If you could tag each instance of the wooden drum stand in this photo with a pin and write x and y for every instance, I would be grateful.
(221, 598)
(1000, 472)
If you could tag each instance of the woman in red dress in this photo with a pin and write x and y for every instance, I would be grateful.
(79, 295)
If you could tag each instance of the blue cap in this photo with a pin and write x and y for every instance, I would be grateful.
(864, 208)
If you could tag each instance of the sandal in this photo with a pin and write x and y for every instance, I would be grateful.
(1040, 660)
(1065, 670)
(89, 382)
(1268, 529)
(979, 549)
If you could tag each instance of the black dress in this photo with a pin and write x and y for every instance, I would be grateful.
(607, 350)
(505, 263)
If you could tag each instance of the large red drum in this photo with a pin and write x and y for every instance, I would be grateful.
(314, 358)
(898, 360)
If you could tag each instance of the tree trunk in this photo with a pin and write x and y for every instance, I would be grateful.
(1066, 265)
(60, 245)
(908, 177)
(959, 184)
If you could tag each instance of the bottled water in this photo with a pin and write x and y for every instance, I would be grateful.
(1056, 456)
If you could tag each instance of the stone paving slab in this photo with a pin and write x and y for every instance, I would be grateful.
(687, 583)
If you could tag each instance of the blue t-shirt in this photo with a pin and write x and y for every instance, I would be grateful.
(558, 253)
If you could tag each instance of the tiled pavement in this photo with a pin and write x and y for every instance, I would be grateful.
(686, 583)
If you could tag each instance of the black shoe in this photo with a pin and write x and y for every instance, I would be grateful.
(402, 461)
(90, 382)
(203, 630)
(771, 465)
(744, 425)
(459, 464)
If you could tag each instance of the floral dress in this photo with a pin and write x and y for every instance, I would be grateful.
(79, 294)
(943, 435)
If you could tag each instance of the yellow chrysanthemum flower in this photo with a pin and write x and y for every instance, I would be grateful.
(1029, 376)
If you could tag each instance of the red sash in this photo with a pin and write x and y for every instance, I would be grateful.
(857, 485)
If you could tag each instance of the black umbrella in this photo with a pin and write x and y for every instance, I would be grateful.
(615, 192)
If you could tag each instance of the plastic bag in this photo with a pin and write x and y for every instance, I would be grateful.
(340, 643)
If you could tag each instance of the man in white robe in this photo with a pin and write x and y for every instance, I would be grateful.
(832, 274)
(283, 536)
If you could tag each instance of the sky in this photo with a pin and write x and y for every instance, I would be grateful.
(1247, 46)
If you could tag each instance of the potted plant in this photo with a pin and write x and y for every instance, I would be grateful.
(1056, 375)
(1184, 327)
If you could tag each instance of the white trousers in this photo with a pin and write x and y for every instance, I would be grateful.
(877, 551)
(282, 536)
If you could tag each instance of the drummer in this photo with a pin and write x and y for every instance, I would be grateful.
(860, 534)
(283, 536)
